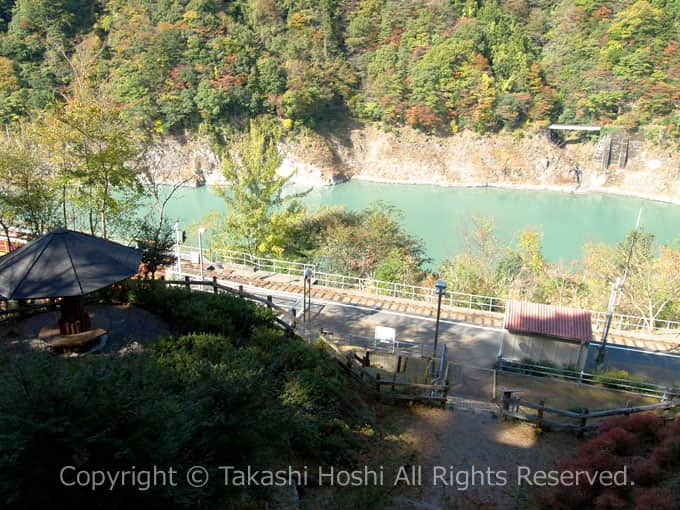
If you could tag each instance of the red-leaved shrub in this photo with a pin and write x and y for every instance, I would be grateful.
(624, 441)
(662, 456)
(615, 440)
(645, 472)
(674, 427)
(610, 501)
(644, 425)
(654, 499)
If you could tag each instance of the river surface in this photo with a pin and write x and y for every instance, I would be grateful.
(442, 215)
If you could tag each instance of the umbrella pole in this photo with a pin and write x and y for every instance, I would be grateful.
(74, 319)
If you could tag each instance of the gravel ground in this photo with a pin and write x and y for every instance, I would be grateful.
(125, 324)
(477, 442)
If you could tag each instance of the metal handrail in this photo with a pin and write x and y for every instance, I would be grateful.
(620, 322)
(639, 387)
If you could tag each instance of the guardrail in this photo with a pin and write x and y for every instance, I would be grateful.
(623, 322)
(620, 322)
(239, 258)
(578, 421)
(379, 287)
(643, 388)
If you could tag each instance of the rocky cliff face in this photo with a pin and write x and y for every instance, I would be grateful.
(190, 162)
(466, 159)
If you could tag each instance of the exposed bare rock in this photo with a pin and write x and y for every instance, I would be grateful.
(408, 156)
(312, 160)
(190, 161)
(405, 155)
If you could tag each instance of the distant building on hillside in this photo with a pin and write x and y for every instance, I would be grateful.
(540, 332)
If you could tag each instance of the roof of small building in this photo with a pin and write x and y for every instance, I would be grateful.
(548, 320)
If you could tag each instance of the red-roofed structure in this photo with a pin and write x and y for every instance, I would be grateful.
(557, 334)
(548, 320)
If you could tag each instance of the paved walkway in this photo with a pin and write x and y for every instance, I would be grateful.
(294, 284)
(124, 324)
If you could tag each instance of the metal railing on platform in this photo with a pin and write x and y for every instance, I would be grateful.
(620, 322)
(643, 388)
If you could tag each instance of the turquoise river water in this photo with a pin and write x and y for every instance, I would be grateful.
(441, 215)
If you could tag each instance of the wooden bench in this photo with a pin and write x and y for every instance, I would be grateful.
(62, 343)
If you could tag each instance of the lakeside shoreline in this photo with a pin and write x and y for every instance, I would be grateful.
(559, 188)
(574, 190)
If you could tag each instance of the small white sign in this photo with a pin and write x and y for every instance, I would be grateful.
(383, 334)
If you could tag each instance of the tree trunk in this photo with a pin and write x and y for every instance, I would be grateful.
(91, 223)
(5, 228)
(63, 204)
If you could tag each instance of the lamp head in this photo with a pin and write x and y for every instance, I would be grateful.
(440, 285)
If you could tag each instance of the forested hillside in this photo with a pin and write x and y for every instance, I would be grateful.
(437, 65)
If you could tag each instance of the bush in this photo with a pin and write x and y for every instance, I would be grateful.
(257, 397)
(624, 441)
(615, 440)
(645, 472)
(654, 499)
(604, 378)
(646, 426)
(188, 311)
(610, 501)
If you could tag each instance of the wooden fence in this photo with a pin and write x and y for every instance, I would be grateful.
(19, 310)
(511, 407)
(389, 390)
(216, 288)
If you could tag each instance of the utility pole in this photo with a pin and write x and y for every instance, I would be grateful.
(615, 297)
(200, 250)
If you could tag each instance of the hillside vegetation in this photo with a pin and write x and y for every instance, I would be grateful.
(230, 390)
(436, 65)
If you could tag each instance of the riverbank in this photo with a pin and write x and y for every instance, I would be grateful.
(573, 190)
(527, 161)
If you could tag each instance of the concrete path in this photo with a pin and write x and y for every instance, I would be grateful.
(293, 284)
(471, 336)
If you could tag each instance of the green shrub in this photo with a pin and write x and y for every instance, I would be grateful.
(188, 311)
(604, 378)
(198, 399)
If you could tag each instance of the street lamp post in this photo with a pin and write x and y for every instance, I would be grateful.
(307, 295)
(200, 249)
(440, 286)
(178, 253)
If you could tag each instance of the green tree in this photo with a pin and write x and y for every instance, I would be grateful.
(652, 287)
(260, 216)
(28, 191)
(99, 152)
(156, 240)
(368, 243)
